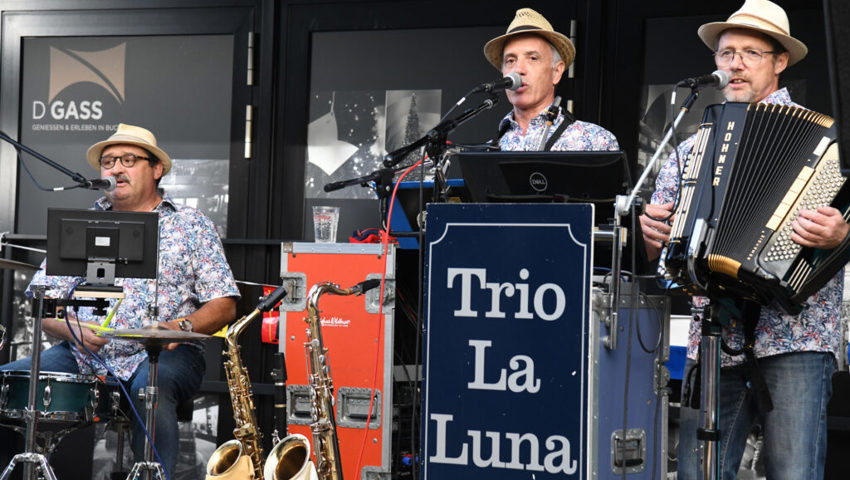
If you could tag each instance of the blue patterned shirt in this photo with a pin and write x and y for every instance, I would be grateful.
(192, 271)
(816, 329)
(578, 136)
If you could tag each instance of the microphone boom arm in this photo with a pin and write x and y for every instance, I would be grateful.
(74, 175)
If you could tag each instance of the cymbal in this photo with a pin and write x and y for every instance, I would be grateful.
(14, 265)
(153, 334)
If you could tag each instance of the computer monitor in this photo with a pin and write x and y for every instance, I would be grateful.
(576, 177)
(102, 245)
(595, 177)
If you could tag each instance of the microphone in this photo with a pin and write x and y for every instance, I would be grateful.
(511, 81)
(717, 79)
(330, 187)
(107, 184)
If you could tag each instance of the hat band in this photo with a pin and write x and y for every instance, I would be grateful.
(523, 28)
(762, 20)
(123, 137)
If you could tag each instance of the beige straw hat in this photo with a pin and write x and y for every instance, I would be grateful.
(762, 16)
(129, 135)
(529, 21)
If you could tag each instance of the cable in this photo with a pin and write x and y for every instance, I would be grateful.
(34, 181)
(385, 242)
(120, 383)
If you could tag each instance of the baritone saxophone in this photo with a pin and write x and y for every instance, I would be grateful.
(242, 458)
(323, 426)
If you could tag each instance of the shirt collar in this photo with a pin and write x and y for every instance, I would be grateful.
(541, 117)
(103, 203)
(780, 96)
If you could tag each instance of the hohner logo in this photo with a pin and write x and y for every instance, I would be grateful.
(721, 159)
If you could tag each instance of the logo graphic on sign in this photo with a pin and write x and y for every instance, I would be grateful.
(104, 68)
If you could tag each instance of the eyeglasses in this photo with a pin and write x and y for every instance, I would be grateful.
(128, 160)
(749, 57)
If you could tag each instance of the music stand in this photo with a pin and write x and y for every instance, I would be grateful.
(97, 245)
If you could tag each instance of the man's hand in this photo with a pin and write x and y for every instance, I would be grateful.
(824, 228)
(59, 329)
(655, 232)
(172, 325)
(90, 339)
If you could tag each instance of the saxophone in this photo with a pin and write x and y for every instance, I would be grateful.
(242, 458)
(323, 426)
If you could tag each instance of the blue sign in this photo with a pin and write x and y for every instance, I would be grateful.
(506, 341)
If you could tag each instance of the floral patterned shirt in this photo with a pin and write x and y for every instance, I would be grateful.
(815, 329)
(578, 136)
(192, 271)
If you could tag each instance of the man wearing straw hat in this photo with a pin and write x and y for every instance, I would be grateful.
(539, 54)
(196, 292)
(796, 354)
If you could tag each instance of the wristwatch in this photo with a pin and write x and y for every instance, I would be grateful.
(185, 324)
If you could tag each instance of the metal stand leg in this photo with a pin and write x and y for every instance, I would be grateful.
(31, 458)
(149, 469)
(709, 433)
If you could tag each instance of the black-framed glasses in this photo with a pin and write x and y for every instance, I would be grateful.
(128, 160)
(749, 57)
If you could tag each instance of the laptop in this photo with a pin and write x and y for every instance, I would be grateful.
(595, 177)
(576, 177)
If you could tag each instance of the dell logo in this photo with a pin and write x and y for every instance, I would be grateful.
(538, 182)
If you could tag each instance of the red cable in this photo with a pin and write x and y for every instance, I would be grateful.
(385, 234)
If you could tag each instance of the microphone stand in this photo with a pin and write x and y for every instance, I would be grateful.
(76, 177)
(435, 142)
(708, 432)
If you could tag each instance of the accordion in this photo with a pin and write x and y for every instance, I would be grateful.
(753, 167)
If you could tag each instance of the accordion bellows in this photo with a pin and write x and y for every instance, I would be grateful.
(752, 169)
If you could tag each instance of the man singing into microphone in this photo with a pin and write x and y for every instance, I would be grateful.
(196, 292)
(796, 354)
(532, 49)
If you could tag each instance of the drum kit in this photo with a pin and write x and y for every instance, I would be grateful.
(59, 403)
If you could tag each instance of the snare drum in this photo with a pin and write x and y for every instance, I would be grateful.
(62, 397)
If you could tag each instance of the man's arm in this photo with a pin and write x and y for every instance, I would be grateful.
(211, 317)
(59, 329)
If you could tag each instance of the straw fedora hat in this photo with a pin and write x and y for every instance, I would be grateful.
(129, 135)
(529, 21)
(762, 16)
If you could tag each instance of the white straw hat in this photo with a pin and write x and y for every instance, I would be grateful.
(762, 16)
(129, 135)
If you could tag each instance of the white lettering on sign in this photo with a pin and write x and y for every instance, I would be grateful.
(59, 110)
(521, 378)
(557, 457)
(497, 291)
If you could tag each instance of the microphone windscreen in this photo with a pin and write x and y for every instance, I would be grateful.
(722, 78)
(516, 81)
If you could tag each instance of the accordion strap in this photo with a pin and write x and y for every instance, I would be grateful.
(750, 318)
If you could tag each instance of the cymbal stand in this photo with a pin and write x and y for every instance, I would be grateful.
(149, 469)
(30, 457)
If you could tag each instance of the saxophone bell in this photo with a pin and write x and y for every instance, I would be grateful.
(229, 462)
(290, 460)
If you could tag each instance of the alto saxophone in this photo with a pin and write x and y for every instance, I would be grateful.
(323, 426)
(242, 458)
